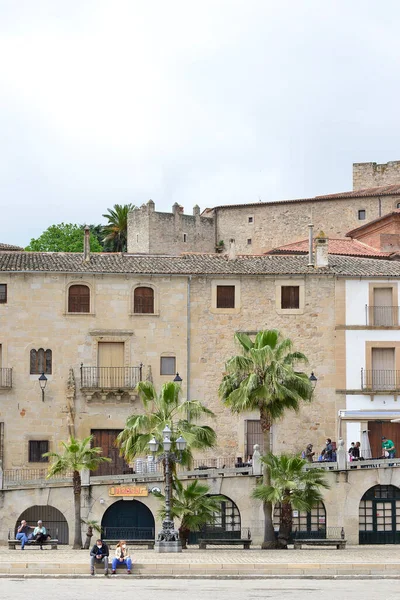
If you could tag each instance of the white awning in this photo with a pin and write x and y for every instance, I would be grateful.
(368, 415)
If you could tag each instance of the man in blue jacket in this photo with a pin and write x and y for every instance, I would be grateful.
(99, 553)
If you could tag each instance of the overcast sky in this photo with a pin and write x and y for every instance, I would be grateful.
(209, 102)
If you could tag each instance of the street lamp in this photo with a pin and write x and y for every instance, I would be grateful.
(177, 378)
(168, 538)
(43, 383)
(313, 380)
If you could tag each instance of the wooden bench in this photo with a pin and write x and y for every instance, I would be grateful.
(340, 544)
(148, 543)
(12, 544)
(203, 543)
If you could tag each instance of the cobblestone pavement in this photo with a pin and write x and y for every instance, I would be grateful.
(380, 555)
(199, 589)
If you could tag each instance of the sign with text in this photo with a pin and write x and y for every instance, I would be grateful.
(128, 490)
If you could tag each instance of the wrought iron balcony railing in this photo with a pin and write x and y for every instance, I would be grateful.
(381, 316)
(110, 377)
(382, 380)
(5, 378)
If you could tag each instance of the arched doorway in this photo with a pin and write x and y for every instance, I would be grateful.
(379, 515)
(227, 524)
(305, 524)
(54, 521)
(128, 520)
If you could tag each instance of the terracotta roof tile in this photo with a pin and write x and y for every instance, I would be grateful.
(346, 247)
(9, 247)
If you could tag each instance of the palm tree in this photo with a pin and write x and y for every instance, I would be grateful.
(193, 506)
(264, 378)
(77, 455)
(89, 534)
(292, 488)
(116, 230)
(162, 410)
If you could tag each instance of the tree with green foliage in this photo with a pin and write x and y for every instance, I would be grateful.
(91, 525)
(76, 456)
(116, 230)
(264, 378)
(193, 505)
(65, 237)
(161, 410)
(291, 487)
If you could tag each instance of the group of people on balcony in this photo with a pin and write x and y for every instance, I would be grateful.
(328, 454)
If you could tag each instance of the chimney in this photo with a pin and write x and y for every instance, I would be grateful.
(196, 210)
(86, 244)
(321, 250)
(311, 245)
(232, 250)
(150, 206)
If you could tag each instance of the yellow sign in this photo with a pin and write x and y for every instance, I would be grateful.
(128, 490)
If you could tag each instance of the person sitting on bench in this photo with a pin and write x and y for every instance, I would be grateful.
(23, 533)
(40, 534)
(99, 553)
(122, 557)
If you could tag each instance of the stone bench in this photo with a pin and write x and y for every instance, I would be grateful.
(203, 543)
(148, 543)
(12, 544)
(340, 544)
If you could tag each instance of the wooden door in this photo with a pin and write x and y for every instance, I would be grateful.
(377, 429)
(111, 364)
(383, 373)
(106, 439)
(383, 307)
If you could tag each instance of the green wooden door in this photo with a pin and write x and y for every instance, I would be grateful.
(379, 516)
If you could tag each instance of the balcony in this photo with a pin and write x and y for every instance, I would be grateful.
(5, 379)
(106, 382)
(381, 316)
(379, 380)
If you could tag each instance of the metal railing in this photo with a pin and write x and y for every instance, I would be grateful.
(380, 379)
(5, 378)
(381, 316)
(111, 377)
(320, 532)
(15, 477)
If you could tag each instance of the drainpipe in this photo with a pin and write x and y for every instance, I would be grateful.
(188, 340)
(310, 245)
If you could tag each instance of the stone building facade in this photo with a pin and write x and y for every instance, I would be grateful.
(372, 174)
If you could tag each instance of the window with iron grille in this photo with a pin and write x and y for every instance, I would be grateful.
(143, 300)
(225, 296)
(290, 296)
(79, 299)
(168, 365)
(41, 362)
(253, 435)
(36, 449)
(228, 518)
(3, 293)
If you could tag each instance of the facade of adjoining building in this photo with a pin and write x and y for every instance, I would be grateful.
(96, 324)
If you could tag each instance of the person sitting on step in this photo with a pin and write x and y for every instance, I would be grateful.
(98, 554)
(121, 557)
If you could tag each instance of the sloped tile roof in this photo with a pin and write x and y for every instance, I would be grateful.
(335, 246)
(192, 264)
(370, 224)
(386, 190)
(9, 247)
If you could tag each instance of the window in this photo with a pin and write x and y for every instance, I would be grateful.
(250, 219)
(79, 299)
(3, 293)
(362, 215)
(168, 365)
(225, 296)
(41, 362)
(185, 237)
(253, 435)
(290, 296)
(36, 449)
(249, 242)
(143, 300)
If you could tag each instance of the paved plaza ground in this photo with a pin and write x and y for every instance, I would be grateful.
(170, 589)
(216, 561)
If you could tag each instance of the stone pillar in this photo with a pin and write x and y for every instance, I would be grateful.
(341, 456)
(257, 466)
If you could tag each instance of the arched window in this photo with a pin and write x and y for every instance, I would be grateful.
(79, 299)
(143, 300)
(305, 524)
(40, 362)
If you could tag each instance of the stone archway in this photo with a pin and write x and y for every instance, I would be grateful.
(128, 520)
(53, 519)
(379, 515)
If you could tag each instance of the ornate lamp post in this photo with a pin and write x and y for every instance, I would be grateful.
(43, 383)
(168, 538)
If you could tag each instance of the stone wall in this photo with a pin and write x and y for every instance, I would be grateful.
(372, 174)
(154, 232)
(282, 223)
